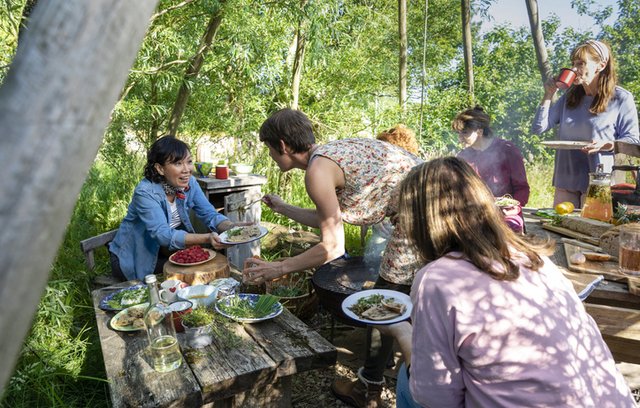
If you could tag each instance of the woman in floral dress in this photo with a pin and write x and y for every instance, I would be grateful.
(353, 181)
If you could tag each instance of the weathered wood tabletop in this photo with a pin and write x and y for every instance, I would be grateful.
(258, 374)
(615, 310)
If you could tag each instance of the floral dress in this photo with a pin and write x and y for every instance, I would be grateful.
(373, 171)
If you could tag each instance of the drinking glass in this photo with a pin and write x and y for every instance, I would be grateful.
(629, 255)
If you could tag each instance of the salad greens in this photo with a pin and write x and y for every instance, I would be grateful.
(130, 297)
(365, 303)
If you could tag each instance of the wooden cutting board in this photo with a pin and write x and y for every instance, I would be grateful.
(217, 267)
(608, 269)
(572, 234)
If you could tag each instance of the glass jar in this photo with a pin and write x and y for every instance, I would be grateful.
(165, 352)
(598, 205)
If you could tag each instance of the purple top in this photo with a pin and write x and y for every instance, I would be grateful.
(618, 122)
(501, 167)
(481, 342)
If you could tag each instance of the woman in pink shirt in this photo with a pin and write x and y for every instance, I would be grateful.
(494, 323)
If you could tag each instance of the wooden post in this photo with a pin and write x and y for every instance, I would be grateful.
(55, 102)
(538, 40)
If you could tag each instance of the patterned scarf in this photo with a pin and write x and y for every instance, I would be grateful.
(171, 190)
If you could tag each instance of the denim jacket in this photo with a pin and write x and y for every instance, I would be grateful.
(146, 228)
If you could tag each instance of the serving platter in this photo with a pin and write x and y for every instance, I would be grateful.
(107, 302)
(212, 254)
(397, 296)
(224, 237)
(115, 320)
(253, 298)
(566, 144)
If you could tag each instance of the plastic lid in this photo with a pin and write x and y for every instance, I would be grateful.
(151, 278)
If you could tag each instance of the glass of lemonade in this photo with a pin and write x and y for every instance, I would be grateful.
(629, 255)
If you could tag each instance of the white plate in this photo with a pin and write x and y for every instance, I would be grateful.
(276, 310)
(566, 144)
(224, 238)
(114, 320)
(397, 296)
(212, 254)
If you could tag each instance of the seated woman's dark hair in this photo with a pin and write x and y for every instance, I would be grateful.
(292, 127)
(473, 119)
(167, 149)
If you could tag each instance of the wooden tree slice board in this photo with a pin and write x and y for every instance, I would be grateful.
(572, 234)
(608, 269)
(215, 268)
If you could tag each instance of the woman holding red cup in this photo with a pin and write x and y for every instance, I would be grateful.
(593, 109)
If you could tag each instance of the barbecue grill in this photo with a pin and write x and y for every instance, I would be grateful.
(626, 193)
(340, 278)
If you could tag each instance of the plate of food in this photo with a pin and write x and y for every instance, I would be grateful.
(249, 307)
(129, 319)
(194, 255)
(242, 235)
(377, 306)
(123, 298)
(566, 144)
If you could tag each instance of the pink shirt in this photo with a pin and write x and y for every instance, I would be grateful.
(480, 342)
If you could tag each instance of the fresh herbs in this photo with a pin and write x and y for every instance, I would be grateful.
(244, 307)
(294, 285)
(624, 216)
(198, 317)
(128, 297)
(365, 303)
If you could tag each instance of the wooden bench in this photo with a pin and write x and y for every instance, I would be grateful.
(89, 245)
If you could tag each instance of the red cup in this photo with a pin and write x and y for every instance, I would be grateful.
(222, 172)
(565, 78)
(178, 309)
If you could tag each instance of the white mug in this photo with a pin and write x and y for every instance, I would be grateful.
(169, 291)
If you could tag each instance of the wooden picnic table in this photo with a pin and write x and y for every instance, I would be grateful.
(614, 309)
(257, 374)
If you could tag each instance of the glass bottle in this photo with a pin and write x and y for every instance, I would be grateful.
(598, 205)
(165, 352)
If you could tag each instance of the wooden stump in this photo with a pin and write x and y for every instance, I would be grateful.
(201, 274)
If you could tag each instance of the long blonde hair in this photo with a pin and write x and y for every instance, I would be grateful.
(607, 79)
(445, 206)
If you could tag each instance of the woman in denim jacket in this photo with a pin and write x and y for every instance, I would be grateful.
(157, 221)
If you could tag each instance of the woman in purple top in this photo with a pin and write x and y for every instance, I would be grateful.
(594, 109)
(494, 323)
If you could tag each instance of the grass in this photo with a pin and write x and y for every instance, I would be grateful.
(61, 364)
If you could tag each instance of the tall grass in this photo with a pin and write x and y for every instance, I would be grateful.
(61, 364)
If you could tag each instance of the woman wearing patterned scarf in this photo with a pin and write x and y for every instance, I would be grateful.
(594, 109)
(157, 221)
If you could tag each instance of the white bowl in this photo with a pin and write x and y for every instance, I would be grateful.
(199, 295)
(242, 168)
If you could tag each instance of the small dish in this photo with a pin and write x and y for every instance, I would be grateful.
(199, 295)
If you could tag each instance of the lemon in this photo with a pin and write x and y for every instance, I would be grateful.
(564, 208)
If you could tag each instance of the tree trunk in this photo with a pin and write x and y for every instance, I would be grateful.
(55, 103)
(402, 53)
(298, 60)
(192, 71)
(466, 44)
(538, 40)
(423, 74)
